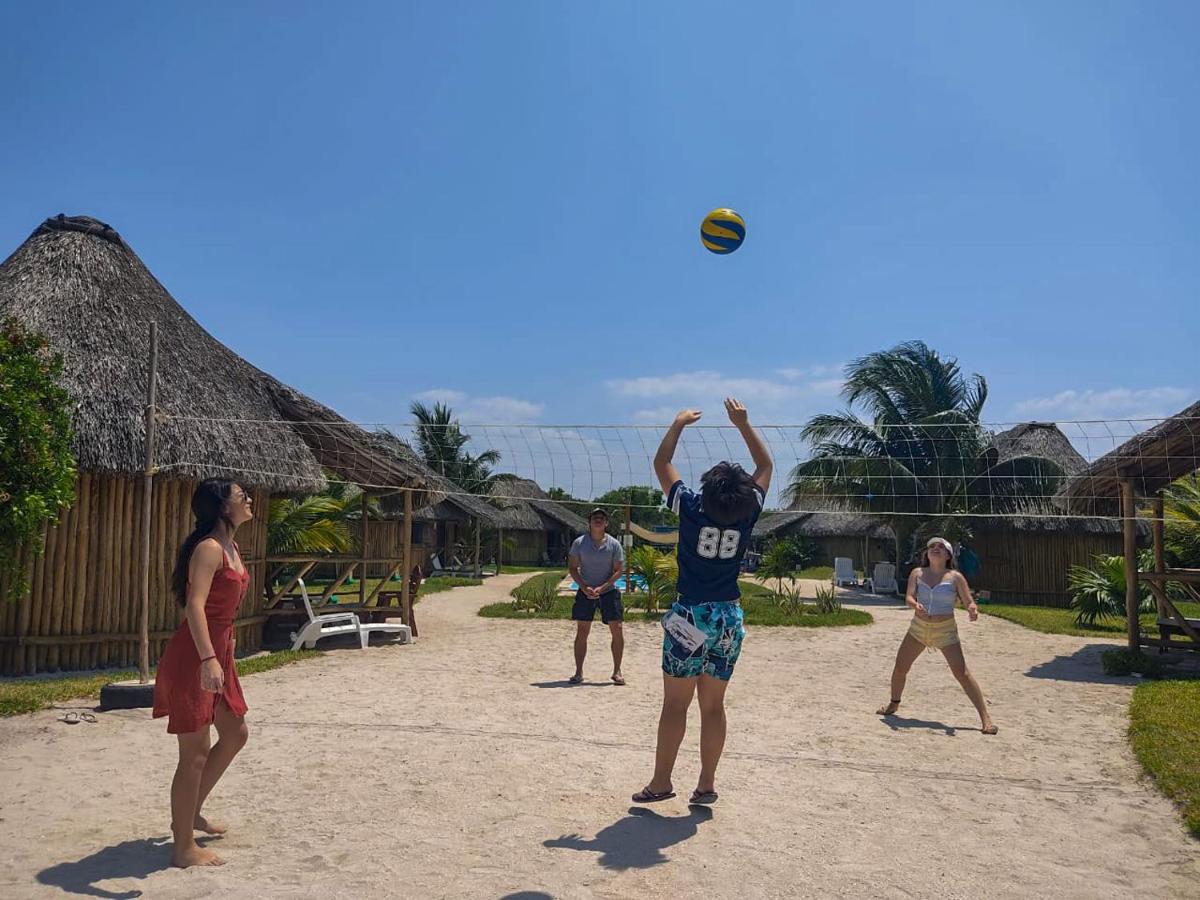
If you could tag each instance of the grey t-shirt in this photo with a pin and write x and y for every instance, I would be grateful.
(596, 564)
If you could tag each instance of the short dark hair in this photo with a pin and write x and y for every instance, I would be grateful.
(728, 493)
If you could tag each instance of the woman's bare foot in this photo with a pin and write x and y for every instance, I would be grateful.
(195, 855)
(989, 727)
(888, 710)
(215, 828)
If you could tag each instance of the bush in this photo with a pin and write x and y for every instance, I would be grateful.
(1099, 592)
(538, 594)
(1124, 661)
(828, 600)
(38, 479)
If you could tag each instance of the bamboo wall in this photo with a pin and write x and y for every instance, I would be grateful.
(84, 605)
(1030, 567)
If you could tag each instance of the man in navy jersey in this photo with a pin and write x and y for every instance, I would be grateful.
(703, 630)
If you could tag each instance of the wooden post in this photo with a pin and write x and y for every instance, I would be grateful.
(147, 496)
(625, 549)
(1160, 560)
(406, 555)
(478, 561)
(362, 575)
(1131, 564)
(499, 550)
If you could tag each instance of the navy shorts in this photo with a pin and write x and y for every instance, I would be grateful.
(609, 605)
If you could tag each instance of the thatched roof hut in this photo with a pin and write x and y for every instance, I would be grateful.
(77, 282)
(1038, 439)
(542, 529)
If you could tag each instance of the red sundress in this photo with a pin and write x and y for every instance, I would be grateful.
(177, 690)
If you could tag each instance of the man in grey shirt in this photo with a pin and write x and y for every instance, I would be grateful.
(595, 561)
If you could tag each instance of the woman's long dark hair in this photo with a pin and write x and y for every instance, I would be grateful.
(207, 504)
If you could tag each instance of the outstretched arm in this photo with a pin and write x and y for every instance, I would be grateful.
(758, 450)
(663, 467)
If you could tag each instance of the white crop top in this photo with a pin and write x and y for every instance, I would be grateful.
(937, 600)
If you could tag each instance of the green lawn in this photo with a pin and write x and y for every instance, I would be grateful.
(522, 570)
(347, 594)
(1062, 621)
(757, 603)
(25, 695)
(1164, 730)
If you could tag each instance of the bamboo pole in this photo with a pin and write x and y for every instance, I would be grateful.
(362, 581)
(478, 561)
(83, 545)
(1160, 561)
(1131, 565)
(628, 536)
(147, 495)
(406, 557)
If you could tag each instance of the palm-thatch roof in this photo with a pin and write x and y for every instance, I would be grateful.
(821, 524)
(524, 506)
(77, 282)
(1038, 439)
(1150, 460)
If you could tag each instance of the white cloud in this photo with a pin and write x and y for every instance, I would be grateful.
(659, 415)
(484, 410)
(441, 395)
(795, 374)
(1114, 403)
(699, 384)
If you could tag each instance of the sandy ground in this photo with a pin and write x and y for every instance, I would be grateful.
(463, 766)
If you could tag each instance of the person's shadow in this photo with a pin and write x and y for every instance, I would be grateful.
(129, 859)
(637, 841)
(897, 722)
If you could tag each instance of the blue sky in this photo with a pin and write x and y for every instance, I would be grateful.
(498, 204)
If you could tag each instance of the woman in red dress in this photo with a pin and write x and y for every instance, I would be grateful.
(197, 684)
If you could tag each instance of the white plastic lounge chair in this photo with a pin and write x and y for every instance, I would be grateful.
(843, 571)
(883, 580)
(330, 624)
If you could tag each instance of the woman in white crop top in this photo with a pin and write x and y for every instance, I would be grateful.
(932, 591)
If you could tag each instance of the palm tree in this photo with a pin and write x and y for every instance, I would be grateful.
(320, 523)
(921, 448)
(1181, 511)
(443, 444)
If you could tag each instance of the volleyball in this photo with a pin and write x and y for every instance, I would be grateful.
(722, 231)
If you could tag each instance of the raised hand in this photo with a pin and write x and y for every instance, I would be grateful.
(737, 413)
(688, 417)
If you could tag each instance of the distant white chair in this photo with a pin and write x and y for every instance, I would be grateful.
(843, 571)
(330, 624)
(883, 579)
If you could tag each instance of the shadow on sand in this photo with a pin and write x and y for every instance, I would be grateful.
(638, 840)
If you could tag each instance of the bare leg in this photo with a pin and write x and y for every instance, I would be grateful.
(910, 649)
(958, 665)
(672, 724)
(582, 630)
(231, 737)
(185, 801)
(618, 646)
(712, 729)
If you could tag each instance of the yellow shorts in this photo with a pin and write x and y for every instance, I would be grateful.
(934, 635)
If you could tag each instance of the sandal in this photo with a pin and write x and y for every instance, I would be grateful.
(618, 680)
(71, 718)
(87, 717)
(886, 711)
(645, 795)
(991, 729)
(703, 798)
(575, 679)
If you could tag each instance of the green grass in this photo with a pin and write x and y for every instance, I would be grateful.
(757, 603)
(26, 695)
(1062, 621)
(522, 570)
(347, 594)
(1164, 731)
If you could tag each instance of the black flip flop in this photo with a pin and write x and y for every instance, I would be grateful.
(645, 795)
(703, 798)
(576, 679)
(618, 680)
(71, 718)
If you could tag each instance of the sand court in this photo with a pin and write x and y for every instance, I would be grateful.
(465, 766)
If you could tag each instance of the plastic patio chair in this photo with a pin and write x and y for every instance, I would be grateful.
(843, 571)
(330, 624)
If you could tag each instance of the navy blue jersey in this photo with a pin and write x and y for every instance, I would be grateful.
(710, 555)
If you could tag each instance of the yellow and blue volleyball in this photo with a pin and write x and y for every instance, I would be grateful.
(722, 231)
